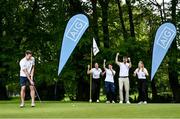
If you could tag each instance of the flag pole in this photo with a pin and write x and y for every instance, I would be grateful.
(90, 97)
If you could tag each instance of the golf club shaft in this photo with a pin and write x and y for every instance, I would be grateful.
(37, 94)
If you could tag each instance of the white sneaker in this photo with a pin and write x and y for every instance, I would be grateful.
(97, 101)
(107, 102)
(145, 102)
(113, 102)
(90, 100)
(21, 105)
(140, 102)
(128, 102)
(33, 105)
(120, 102)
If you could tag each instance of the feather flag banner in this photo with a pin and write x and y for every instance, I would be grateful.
(75, 28)
(164, 37)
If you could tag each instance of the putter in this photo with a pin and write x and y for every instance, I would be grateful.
(37, 94)
(36, 89)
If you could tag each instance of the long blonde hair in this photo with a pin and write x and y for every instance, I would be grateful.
(139, 66)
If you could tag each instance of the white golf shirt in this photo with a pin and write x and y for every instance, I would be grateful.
(96, 73)
(109, 75)
(141, 73)
(26, 64)
(124, 69)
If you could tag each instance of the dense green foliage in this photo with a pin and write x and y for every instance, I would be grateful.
(39, 25)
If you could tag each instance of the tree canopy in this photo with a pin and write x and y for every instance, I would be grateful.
(127, 27)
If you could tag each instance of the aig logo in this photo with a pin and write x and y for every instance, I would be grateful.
(165, 37)
(76, 29)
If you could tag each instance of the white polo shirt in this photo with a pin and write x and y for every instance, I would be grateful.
(141, 73)
(96, 73)
(109, 75)
(26, 64)
(124, 69)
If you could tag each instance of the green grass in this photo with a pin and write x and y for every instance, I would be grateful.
(9, 109)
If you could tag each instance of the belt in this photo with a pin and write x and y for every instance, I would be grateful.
(95, 78)
(123, 76)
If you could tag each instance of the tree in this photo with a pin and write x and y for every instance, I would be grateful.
(39, 26)
(95, 21)
(128, 2)
(173, 71)
(104, 8)
(121, 19)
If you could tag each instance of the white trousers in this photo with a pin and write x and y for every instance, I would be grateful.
(124, 82)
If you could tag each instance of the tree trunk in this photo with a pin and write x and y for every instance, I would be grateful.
(3, 77)
(82, 90)
(173, 70)
(121, 19)
(104, 6)
(95, 21)
(161, 13)
(1, 30)
(3, 91)
(75, 7)
(154, 91)
(128, 2)
(164, 9)
(151, 37)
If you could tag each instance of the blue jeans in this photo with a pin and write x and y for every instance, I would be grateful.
(110, 90)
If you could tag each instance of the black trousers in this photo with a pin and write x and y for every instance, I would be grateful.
(142, 89)
(95, 89)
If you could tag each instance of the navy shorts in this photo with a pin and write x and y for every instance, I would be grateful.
(24, 81)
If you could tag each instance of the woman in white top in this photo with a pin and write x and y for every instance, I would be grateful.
(141, 73)
(109, 82)
(96, 72)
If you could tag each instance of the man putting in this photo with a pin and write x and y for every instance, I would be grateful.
(26, 77)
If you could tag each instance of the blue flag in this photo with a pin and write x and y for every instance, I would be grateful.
(163, 39)
(75, 28)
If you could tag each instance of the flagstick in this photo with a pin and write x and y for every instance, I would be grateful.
(90, 100)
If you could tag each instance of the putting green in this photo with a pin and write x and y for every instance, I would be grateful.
(9, 109)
